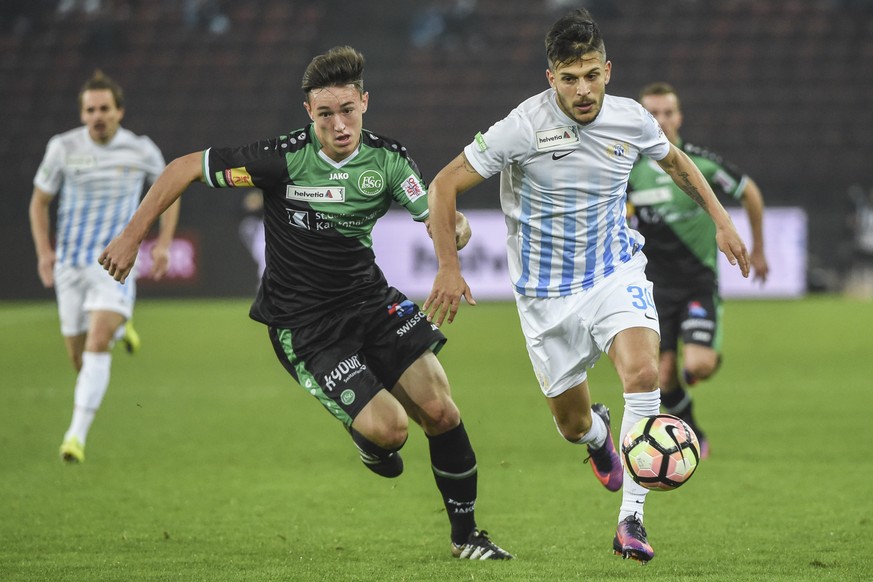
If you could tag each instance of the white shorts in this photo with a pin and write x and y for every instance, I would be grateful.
(81, 290)
(566, 335)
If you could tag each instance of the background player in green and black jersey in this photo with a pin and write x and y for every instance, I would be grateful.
(361, 347)
(682, 253)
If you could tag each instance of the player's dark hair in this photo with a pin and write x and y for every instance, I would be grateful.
(99, 80)
(659, 88)
(341, 65)
(572, 36)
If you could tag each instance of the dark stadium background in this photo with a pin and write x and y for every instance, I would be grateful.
(781, 88)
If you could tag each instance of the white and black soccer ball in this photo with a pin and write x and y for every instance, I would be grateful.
(660, 452)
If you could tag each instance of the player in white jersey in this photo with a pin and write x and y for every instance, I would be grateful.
(564, 158)
(99, 170)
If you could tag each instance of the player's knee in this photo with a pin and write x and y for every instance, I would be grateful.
(390, 436)
(439, 416)
(388, 431)
(642, 378)
(397, 440)
(702, 368)
(99, 342)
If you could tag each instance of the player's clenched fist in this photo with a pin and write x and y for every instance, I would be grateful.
(118, 258)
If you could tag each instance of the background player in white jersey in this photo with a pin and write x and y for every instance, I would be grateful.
(358, 345)
(99, 170)
(564, 157)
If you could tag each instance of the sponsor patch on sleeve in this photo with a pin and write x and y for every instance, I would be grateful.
(413, 188)
(480, 142)
(238, 178)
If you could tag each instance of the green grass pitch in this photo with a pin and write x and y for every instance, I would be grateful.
(207, 462)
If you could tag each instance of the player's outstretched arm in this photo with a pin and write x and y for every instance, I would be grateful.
(40, 202)
(161, 248)
(449, 285)
(688, 177)
(753, 202)
(120, 254)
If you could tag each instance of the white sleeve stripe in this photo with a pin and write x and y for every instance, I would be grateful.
(206, 177)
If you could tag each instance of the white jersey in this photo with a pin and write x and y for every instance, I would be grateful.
(563, 189)
(100, 188)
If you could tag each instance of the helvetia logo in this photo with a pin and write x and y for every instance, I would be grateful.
(315, 193)
(559, 137)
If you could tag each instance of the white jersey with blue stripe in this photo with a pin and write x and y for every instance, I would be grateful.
(100, 188)
(563, 189)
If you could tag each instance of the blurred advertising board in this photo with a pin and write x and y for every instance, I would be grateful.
(405, 253)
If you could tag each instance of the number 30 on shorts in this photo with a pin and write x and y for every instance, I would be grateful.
(642, 298)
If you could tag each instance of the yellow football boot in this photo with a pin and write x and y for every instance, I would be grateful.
(130, 338)
(72, 451)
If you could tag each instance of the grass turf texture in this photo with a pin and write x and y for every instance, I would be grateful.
(207, 462)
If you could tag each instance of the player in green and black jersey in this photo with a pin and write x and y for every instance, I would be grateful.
(361, 347)
(682, 253)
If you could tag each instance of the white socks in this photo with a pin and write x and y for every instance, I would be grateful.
(91, 385)
(636, 406)
(596, 435)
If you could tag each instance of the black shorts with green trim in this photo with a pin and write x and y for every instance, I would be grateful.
(345, 357)
(692, 314)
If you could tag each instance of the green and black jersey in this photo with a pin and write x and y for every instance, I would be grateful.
(318, 217)
(680, 235)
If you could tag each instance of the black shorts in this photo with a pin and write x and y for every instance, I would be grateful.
(345, 357)
(692, 314)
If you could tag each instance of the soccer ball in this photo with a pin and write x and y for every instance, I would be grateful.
(660, 452)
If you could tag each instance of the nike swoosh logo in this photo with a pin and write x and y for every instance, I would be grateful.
(555, 155)
(671, 430)
(650, 317)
